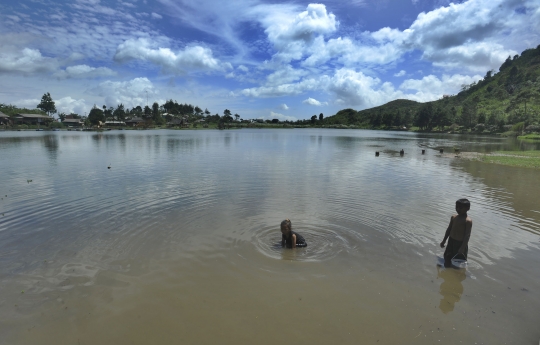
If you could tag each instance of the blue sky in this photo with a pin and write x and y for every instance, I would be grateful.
(258, 58)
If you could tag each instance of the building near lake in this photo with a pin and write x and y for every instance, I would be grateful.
(32, 119)
(73, 122)
(114, 123)
(4, 119)
(134, 121)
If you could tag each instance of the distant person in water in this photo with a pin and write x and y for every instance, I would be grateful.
(290, 238)
(458, 233)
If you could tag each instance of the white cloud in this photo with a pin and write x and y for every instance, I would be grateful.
(286, 74)
(293, 35)
(281, 117)
(130, 93)
(156, 16)
(467, 35)
(283, 89)
(69, 105)
(26, 61)
(351, 53)
(180, 62)
(356, 89)
(431, 88)
(313, 101)
(283, 106)
(84, 71)
(28, 103)
(476, 56)
(470, 34)
(400, 73)
(242, 68)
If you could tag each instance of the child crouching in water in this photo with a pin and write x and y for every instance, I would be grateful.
(458, 232)
(290, 238)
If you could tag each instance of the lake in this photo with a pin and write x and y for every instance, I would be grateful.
(172, 237)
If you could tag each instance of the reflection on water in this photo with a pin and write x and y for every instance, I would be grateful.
(191, 219)
(451, 287)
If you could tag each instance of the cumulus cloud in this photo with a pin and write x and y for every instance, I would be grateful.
(26, 61)
(281, 117)
(400, 73)
(356, 89)
(283, 89)
(283, 106)
(313, 101)
(84, 71)
(243, 68)
(431, 88)
(28, 103)
(130, 93)
(70, 105)
(291, 35)
(156, 16)
(476, 56)
(284, 75)
(466, 34)
(179, 62)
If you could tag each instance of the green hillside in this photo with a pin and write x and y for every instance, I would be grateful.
(493, 104)
(11, 110)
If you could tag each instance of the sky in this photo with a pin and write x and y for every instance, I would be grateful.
(258, 58)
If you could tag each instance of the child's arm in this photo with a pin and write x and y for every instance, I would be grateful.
(283, 240)
(447, 234)
(293, 241)
(468, 228)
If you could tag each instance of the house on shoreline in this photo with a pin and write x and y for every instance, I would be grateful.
(135, 121)
(114, 123)
(73, 122)
(4, 119)
(32, 119)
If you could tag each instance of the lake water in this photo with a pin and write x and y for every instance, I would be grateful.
(177, 242)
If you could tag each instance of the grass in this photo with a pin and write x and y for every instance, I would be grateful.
(530, 137)
(524, 159)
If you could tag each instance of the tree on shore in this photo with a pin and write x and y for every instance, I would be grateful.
(95, 116)
(156, 116)
(321, 116)
(47, 104)
(119, 113)
(227, 117)
(425, 116)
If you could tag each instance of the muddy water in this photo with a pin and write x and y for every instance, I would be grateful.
(178, 241)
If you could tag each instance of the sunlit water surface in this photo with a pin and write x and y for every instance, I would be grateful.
(172, 237)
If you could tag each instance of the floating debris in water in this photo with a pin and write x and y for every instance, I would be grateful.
(28, 181)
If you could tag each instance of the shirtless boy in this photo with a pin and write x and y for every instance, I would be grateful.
(458, 232)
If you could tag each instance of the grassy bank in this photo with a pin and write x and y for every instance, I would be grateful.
(530, 137)
(524, 159)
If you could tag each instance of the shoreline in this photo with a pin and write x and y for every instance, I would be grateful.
(521, 159)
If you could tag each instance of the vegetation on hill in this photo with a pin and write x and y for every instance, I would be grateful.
(11, 110)
(493, 104)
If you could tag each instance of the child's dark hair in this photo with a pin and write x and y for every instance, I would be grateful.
(465, 203)
(286, 223)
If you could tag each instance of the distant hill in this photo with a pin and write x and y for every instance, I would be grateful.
(508, 97)
(11, 110)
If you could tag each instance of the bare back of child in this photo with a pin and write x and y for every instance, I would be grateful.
(290, 238)
(458, 233)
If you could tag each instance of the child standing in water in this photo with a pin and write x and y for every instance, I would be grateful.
(458, 233)
(290, 238)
